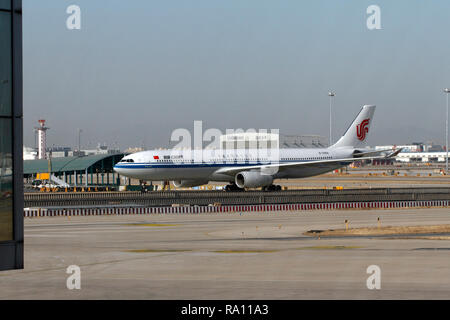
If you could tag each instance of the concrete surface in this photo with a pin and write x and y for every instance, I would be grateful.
(229, 256)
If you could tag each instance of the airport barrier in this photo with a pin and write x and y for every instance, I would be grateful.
(59, 212)
(251, 197)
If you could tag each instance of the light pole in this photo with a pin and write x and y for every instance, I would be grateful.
(331, 95)
(79, 141)
(447, 91)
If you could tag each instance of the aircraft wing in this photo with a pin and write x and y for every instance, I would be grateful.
(273, 168)
(373, 153)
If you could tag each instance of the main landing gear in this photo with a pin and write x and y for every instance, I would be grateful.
(272, 187)
(233, 187)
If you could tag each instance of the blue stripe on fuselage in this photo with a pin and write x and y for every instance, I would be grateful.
(195, 165)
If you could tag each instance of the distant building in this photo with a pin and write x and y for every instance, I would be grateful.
(101, 149)
(303, 141)
(436, 148)
(59, 151)
(63, 151)
(29, 153)
(256, 140)
(418, 151)
(406, 148)
(421, 157)
(134, 150)
(249, 140)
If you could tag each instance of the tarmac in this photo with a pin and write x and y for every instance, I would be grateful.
(230, 256)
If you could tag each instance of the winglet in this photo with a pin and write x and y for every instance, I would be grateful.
(395, 153)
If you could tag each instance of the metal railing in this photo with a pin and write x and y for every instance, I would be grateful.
(167, 198)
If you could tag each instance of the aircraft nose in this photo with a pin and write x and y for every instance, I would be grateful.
(117, 169)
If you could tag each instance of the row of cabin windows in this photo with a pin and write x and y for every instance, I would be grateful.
(310, 158)
(175, 160)
(249, 159)
(252, 159)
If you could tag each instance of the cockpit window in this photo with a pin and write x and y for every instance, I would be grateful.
(127, 160)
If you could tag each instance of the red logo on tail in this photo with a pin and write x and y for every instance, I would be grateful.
(362, 129)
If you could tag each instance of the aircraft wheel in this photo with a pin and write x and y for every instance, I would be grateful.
(272, 187)
(232, 187)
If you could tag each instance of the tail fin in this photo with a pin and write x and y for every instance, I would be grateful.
(356, 134)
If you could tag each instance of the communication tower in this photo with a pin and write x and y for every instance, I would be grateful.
(42, 139)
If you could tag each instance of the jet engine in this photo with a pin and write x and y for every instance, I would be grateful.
(249, 179)
(188, 183)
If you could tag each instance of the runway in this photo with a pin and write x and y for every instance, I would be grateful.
(229, 256)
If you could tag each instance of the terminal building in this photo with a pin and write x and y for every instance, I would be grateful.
(94, 170)
(421, 157)
(418, 152)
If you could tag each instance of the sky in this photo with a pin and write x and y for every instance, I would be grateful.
(137, 70)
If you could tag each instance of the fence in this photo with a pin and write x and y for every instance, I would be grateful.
(51, 212)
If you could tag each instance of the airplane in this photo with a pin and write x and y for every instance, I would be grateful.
(246, 168)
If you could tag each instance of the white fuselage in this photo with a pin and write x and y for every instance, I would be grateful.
(202, 165)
